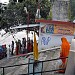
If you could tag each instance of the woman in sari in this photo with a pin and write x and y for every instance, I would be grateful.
(65, 48)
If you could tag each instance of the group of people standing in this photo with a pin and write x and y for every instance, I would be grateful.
(22, 46)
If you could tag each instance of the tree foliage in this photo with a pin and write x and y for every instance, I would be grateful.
(45, 8)
(15, 13)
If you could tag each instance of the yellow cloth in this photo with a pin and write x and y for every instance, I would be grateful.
(35, 48)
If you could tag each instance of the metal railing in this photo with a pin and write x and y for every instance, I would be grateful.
(33, 67)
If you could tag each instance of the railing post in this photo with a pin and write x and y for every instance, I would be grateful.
(3, 71)
(33, 68)
(42, 68)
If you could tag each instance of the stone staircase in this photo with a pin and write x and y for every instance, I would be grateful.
(22, 70)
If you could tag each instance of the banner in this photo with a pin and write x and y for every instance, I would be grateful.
(64, 29)
(57, 29)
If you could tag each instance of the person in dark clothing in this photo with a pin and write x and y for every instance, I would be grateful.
(30, 46)
(19, 45)
(24, 45)
(12, 47)
(17, 48)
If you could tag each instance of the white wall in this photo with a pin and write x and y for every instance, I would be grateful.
(50, 40)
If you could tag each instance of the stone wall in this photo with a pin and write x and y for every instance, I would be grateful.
(60, 10)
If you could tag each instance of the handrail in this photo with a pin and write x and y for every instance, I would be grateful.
(33, 62)
(37, 62)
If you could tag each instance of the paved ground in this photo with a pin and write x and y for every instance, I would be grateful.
(24, 69)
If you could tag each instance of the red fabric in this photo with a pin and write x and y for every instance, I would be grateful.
(4, 46)
(55, 22)
(17, 50)
(29, 47)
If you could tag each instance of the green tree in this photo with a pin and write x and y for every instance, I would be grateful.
(15, 13)
(45, 6)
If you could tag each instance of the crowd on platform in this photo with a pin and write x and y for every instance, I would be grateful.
(17, 47)
(22, 47)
